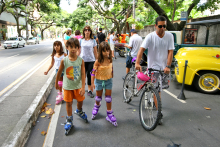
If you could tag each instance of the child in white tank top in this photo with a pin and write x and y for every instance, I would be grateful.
(57, 55)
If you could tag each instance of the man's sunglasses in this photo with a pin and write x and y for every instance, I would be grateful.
(87, 30)
(160, 26)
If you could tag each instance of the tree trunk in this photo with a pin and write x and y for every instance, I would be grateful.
(18, 30)
(174, 10)
(161, 12)
(42, 34)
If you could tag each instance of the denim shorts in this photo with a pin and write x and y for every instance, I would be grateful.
(61, 74)
(103, 84)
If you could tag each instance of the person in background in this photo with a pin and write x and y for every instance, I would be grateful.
(101, 37)
(119, 38)
(89, 54)
(134, 46)
(112, 43)
(77, 35)
(67, 37)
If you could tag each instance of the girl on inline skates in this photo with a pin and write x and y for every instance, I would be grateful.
(102, 74)
(74, 76)
(57, 55)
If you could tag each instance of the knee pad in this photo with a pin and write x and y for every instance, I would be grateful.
(60, 83)
(108, 99)
(98, 98)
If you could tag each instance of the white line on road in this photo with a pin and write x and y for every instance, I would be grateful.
(22, 79)
(9, 57)
(182, 101)
(48, 142)
(15, 64)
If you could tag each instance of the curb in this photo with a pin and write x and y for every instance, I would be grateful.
(20, 133)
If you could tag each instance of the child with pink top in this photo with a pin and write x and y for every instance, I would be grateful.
(77, 34)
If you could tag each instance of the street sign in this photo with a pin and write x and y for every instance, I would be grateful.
(183, 16)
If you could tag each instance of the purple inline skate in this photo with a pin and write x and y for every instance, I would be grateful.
(111, 118)
(95, 110)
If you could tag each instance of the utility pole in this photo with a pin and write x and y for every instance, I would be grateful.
(26, 23)
(134, 9)
(133, 25)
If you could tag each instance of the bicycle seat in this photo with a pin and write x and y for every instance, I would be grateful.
(143, 77)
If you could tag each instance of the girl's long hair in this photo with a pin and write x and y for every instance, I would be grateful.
(91, 34)
(61, 48)
(104, 46)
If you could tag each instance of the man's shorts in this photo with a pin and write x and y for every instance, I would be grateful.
(112, 46)
(165, 80)
(103, 84)
(69, 95)
(128, 61)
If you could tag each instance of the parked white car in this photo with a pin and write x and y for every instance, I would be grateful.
(33, 40)
(14, 42)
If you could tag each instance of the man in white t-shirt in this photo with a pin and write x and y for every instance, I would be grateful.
(160, 44)
(112, 43)
(134, 45)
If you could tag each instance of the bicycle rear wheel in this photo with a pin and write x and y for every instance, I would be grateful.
(149, 111)
(128, 86)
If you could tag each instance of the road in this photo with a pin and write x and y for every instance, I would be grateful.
(17, 63)
(185, 122)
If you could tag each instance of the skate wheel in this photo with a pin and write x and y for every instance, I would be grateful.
(93, 117)
(115, 124)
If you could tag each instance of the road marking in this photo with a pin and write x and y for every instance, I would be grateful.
(15, 64)
(22, 79)
(9, 57)
(34, 49)
(48, 142)
(182, 101)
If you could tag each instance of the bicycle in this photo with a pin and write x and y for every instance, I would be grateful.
(150, 106)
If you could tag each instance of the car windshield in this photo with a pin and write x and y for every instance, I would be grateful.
(13, 38)
(31, 38)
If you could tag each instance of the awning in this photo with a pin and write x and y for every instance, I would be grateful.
(205, 22)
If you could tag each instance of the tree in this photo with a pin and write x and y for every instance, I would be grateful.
(115, 14)
(194, 4)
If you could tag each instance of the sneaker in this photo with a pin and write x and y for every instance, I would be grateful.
(161, 120)
(90, 94)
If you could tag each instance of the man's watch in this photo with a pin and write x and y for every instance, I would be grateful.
(168, 66)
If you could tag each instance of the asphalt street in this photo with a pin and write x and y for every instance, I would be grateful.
(17, 61)
(185, 122)
(21, 80)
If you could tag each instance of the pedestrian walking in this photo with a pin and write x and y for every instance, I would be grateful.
(102, 75)
(134, 45)
(112, 43)
(74, 76)
(89, 54)
(78, 35)
(57, 55)
(101, 37)
(67, 37)
(160, 44)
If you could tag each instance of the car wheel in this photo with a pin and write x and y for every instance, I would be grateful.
(5, 47)
(38, 42)
(202, 82)
(17, 45)
(24, 45)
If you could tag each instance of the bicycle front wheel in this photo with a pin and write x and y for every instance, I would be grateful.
(128, 86)
(150, 109)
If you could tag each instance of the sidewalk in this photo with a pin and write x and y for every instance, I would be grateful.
(21, 108)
